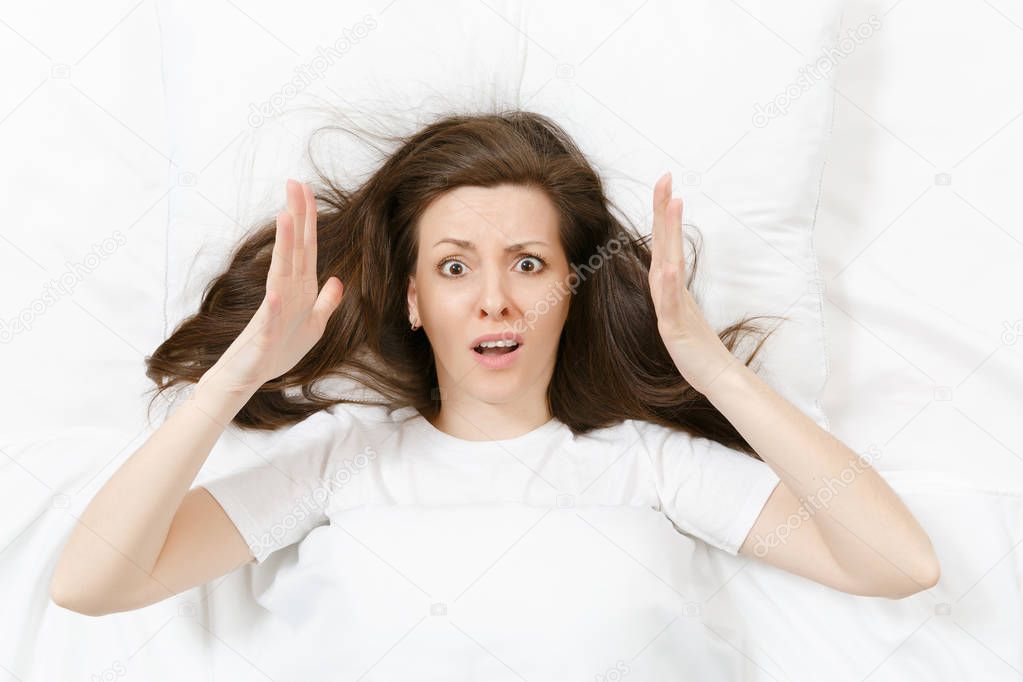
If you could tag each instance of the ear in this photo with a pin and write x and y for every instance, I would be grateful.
(413, 299)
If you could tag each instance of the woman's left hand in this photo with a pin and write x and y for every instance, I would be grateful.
(695, 347)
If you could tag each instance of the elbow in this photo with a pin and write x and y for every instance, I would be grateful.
(896, 584)
(923, 579)
(73, 600)
(76, 590)
(69, 603)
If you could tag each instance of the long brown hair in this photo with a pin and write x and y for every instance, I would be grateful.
(611, 363)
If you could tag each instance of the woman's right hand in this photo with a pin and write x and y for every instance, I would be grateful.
(292, 315)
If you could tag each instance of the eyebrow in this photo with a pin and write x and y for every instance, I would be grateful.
(469, 245)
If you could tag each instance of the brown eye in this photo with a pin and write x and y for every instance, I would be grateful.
(534, 268)
(454, 263)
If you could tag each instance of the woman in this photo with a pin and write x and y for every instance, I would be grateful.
(480, 285)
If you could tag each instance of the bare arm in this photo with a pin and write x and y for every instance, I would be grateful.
(864, 540)
(145, 536)
(852, 531)
(109, 560)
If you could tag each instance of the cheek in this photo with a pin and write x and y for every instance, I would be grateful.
(452, 302)
(549, 320)
(447, 311)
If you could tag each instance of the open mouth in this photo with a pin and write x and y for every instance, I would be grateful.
(490, 349)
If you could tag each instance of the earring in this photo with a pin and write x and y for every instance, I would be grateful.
(412, 322)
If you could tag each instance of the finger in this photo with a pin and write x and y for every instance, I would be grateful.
(671, 299)
(296, 207)
(328, 301)
(274, 323)
(262, 318)
(673, 253)
(280, 259)
(662, 191)
(309, 200)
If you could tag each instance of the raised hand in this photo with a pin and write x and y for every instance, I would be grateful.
(695, 347)
(293, 313)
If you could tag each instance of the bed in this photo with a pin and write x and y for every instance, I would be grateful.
(877, 209)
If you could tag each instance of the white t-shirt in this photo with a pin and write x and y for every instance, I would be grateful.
(352, 457)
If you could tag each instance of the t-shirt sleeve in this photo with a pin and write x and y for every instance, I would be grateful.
(277, 504)
(708, 490)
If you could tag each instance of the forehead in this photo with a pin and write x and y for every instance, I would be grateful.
(499, 214)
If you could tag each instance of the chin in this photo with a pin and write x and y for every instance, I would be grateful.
(495, 387)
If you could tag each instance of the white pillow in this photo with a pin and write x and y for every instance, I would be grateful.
(665, 86)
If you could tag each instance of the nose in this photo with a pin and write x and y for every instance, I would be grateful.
(493, 299)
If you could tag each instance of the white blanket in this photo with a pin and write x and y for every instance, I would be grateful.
(436, 576)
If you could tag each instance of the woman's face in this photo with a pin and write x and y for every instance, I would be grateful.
(491, 262)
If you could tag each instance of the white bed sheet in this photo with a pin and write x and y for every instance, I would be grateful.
(920, 246)
(733, 619)
(84, 168)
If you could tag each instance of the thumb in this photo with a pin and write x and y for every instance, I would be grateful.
(328, 300)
